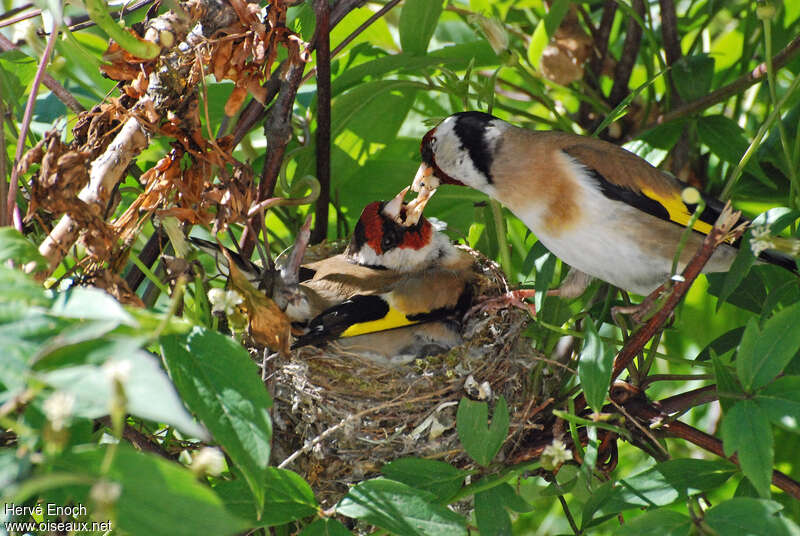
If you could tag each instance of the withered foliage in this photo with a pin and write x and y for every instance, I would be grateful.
(198, 181)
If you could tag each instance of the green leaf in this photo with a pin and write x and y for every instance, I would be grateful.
(157, 496)
(326, 527)
(728, 389)
(218, 381)
(12, 468)
(288, 498)
(764, 353)
(692, 76)
(546, 29)
(558, 10)
(346, 106)
(661, 522)
(751, 517)
(481, 444)
(746, 432)
(15, 287)
(594, 367)
(439, 478)
(740, 267)
(84, 343)
(454, 57)
(780, 400)
(545, 268)
(722, 344)
(17, 70)
(491, 515)
(662, 484)
(749, 295)
(418, 20)
(90, 303)
(83, 64)
(400, 509)
(149, 393)
(15, 247)
(728, 141)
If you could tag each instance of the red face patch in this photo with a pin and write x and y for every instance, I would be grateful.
(372, 220)
(419, 237)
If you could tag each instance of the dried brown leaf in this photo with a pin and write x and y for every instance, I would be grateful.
(269, 326)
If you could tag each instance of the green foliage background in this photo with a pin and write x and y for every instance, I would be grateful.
(422, 61)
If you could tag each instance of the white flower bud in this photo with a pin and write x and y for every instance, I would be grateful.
(224, 300)
(58, 409)
(554, 455)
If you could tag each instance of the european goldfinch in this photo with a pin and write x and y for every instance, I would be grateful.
(398, 273)
(599, 208)
(395, 293)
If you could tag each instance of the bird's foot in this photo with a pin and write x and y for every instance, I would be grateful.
(640, 313)
(512, 298)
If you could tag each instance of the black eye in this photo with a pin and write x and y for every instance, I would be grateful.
(387, 242)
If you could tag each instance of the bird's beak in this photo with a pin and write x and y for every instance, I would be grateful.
(416, 206)
(393, 208)
(424, 179)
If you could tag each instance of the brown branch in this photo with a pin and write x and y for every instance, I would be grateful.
(669, 31)
(627, 59)
(689, 399)
(586, 116)
(255, 112)
(710, 443)
(139, 440)
(737, 86)
(638, 340)
(149, 254)
(12, 210)
(648, 414)
(366, 24)
(3, 163)
(323, 147)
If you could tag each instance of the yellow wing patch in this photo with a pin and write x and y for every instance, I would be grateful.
(677, 210)
(393, 319)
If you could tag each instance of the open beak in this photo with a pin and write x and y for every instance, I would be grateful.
(417, 205)
(393, 208)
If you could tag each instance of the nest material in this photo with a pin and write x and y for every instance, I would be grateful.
(339, 418)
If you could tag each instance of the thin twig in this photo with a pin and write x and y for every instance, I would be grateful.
(637, 341)
(737, 86)
(12, 210)
(627, 59)
(3, 157)
(20, 18)
(355, 33)
(689, 399)
(51, 83)
(650, 414)
(323, 146)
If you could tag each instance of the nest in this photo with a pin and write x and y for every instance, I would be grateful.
(338, 417)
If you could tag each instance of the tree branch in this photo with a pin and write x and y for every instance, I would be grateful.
(737, 86)
(627, 59)
(323, 145)
(638, 340)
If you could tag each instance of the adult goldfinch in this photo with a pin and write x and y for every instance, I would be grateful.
(599, 208)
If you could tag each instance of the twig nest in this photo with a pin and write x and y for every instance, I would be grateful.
(339, 417)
